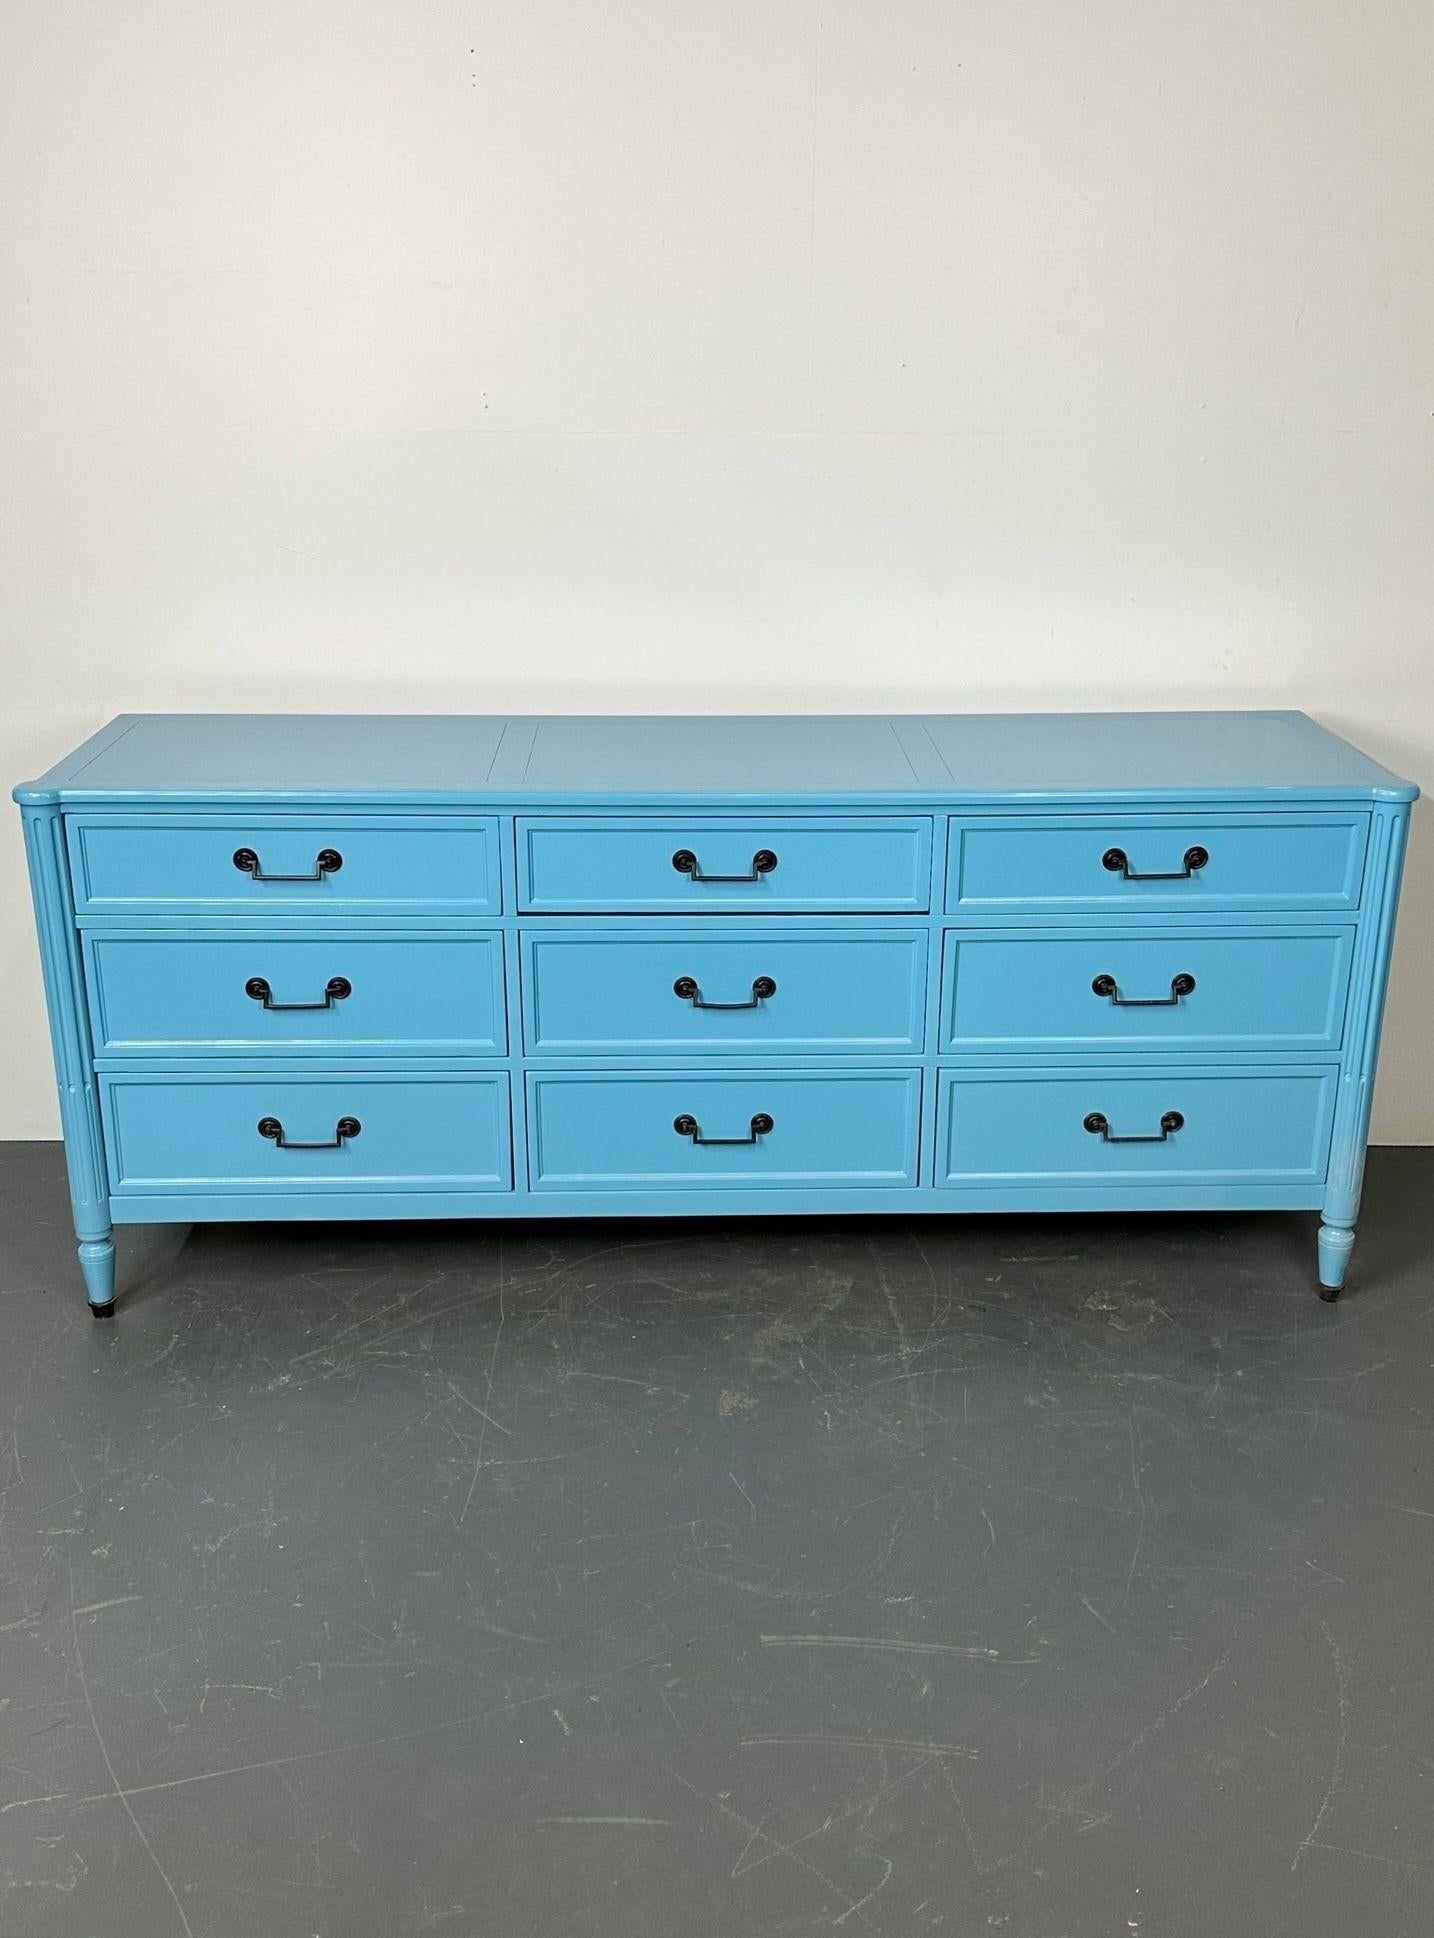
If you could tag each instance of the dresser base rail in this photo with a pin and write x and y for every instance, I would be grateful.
(676, 1202)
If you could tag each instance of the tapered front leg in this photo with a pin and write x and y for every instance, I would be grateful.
(97, 1262)
(1336, 1242)
(70, 1035)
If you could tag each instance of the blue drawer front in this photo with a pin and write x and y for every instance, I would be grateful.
(1047, 862)
(621, 865)
(431, 1133)
(130, 864)
(1253, 990)
(1264, 1127)
(608, 1132)
(622, 992)
(173, 995)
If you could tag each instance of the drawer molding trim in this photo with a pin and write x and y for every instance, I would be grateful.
(1050, 863)
(625, 989)
(627, 865)
(208, 1133)
(1279, 989)
(163, 992)
(1155, 1124)
(378, 864)
(757, 1127)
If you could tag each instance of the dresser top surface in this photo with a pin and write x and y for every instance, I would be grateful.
(613, 759)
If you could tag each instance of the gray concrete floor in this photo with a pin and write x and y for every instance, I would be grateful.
(1062, 1578)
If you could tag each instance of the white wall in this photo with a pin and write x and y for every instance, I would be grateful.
(713, 354)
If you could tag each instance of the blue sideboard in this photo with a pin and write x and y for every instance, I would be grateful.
(414, 967)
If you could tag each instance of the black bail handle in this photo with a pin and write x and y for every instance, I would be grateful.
(1181, 985)
(335, 990)
(1098, 1124)
(1117, 861)
(689, 990)
(344, 1129)
(327, 861)
(686, 863)
(686, 1126)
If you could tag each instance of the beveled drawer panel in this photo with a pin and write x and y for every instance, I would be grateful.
(700, 865)
(174, 994)
(597, 1132)
(320, 1132)
(299, 863)
(1157, 1127)
(1188, 860)
(720, 987)
(1175, 988)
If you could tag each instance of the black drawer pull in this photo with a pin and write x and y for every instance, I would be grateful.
(327, 861)
(335, 989)
(1116, 861)
(1181, 985)
(686, 1126)
(686, 863)
(762, 987)
(1098, 1124)
(344, 1129)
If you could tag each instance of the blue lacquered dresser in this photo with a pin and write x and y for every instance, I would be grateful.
(328, 967)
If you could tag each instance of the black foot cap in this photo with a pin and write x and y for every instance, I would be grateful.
(1329, 1293)
(107, 1311)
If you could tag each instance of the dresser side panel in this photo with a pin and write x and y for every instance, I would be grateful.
(63, 968)
(1374, 946)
